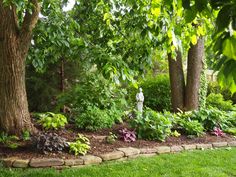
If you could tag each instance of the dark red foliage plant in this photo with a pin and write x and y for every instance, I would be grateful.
(127, 135)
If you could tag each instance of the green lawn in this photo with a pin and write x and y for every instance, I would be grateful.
(217, 163)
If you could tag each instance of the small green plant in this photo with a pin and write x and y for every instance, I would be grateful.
(80, 146)
(51, 120)
(26, 135)
(111, 138)
(9, 140)
(175, 133)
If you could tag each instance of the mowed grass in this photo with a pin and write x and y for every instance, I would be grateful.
(214, 163)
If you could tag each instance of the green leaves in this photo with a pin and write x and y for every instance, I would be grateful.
(229, 47)
(223, 18)
(194, 39)
(201, 4)
(80, 146)
(50, 120)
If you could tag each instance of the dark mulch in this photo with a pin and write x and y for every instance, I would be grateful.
(100, 146)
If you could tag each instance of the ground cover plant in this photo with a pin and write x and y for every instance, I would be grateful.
(220, 162)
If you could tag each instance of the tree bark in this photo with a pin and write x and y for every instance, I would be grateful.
(194, 68)
(177, 83)
(14, 45)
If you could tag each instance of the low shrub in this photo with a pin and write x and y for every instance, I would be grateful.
(192, 127)
(217, 100)
(51, 120)
(94, 102)
(80, 146)
(213, 87)
(187, 125)
(50, 142)
(152, 125)
(94, 118)
(231, 131)
(211, 118)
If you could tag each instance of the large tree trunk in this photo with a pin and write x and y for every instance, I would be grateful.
(195, 57)
(14, 114)
(14, 45)
(176, 82)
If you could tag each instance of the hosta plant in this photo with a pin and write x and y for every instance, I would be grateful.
(152, 125)
(231, 131)
(111, 138)
(51, 120)
(80, 146)
(127, 135)
(50, 142)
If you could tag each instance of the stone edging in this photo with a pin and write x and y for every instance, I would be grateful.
(119, 154)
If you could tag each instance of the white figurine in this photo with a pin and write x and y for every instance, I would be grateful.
(140, 100)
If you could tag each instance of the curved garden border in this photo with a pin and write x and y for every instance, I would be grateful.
(118, 155)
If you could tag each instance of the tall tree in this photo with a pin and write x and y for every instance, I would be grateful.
(177, 82)
(15, 39)
(194, 69)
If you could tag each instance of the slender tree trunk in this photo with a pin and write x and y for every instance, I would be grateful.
(176, 82)
(62, 81)
(14, 45)
(62, 76)
(195, 57)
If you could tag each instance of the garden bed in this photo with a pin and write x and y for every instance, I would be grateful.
(99, 146)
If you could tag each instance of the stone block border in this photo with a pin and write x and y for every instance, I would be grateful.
(119, 154)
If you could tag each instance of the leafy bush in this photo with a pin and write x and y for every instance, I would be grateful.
(94, 118)
(213, 87)
(231, 131)
(50, 142)
(217, 100)
(152, 125)
(157, 93)
(127, 135)
(80, 146)
(94, 100)
(211, 118)
(51, 120)
(192, 127)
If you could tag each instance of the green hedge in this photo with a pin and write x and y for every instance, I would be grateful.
(213, 87)
(157, 92)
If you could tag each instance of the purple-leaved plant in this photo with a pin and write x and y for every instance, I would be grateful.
(127, 135)
(218, 132)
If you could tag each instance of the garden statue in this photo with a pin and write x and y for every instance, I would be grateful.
(140, 99)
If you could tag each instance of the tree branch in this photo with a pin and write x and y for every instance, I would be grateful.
(29, 22)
